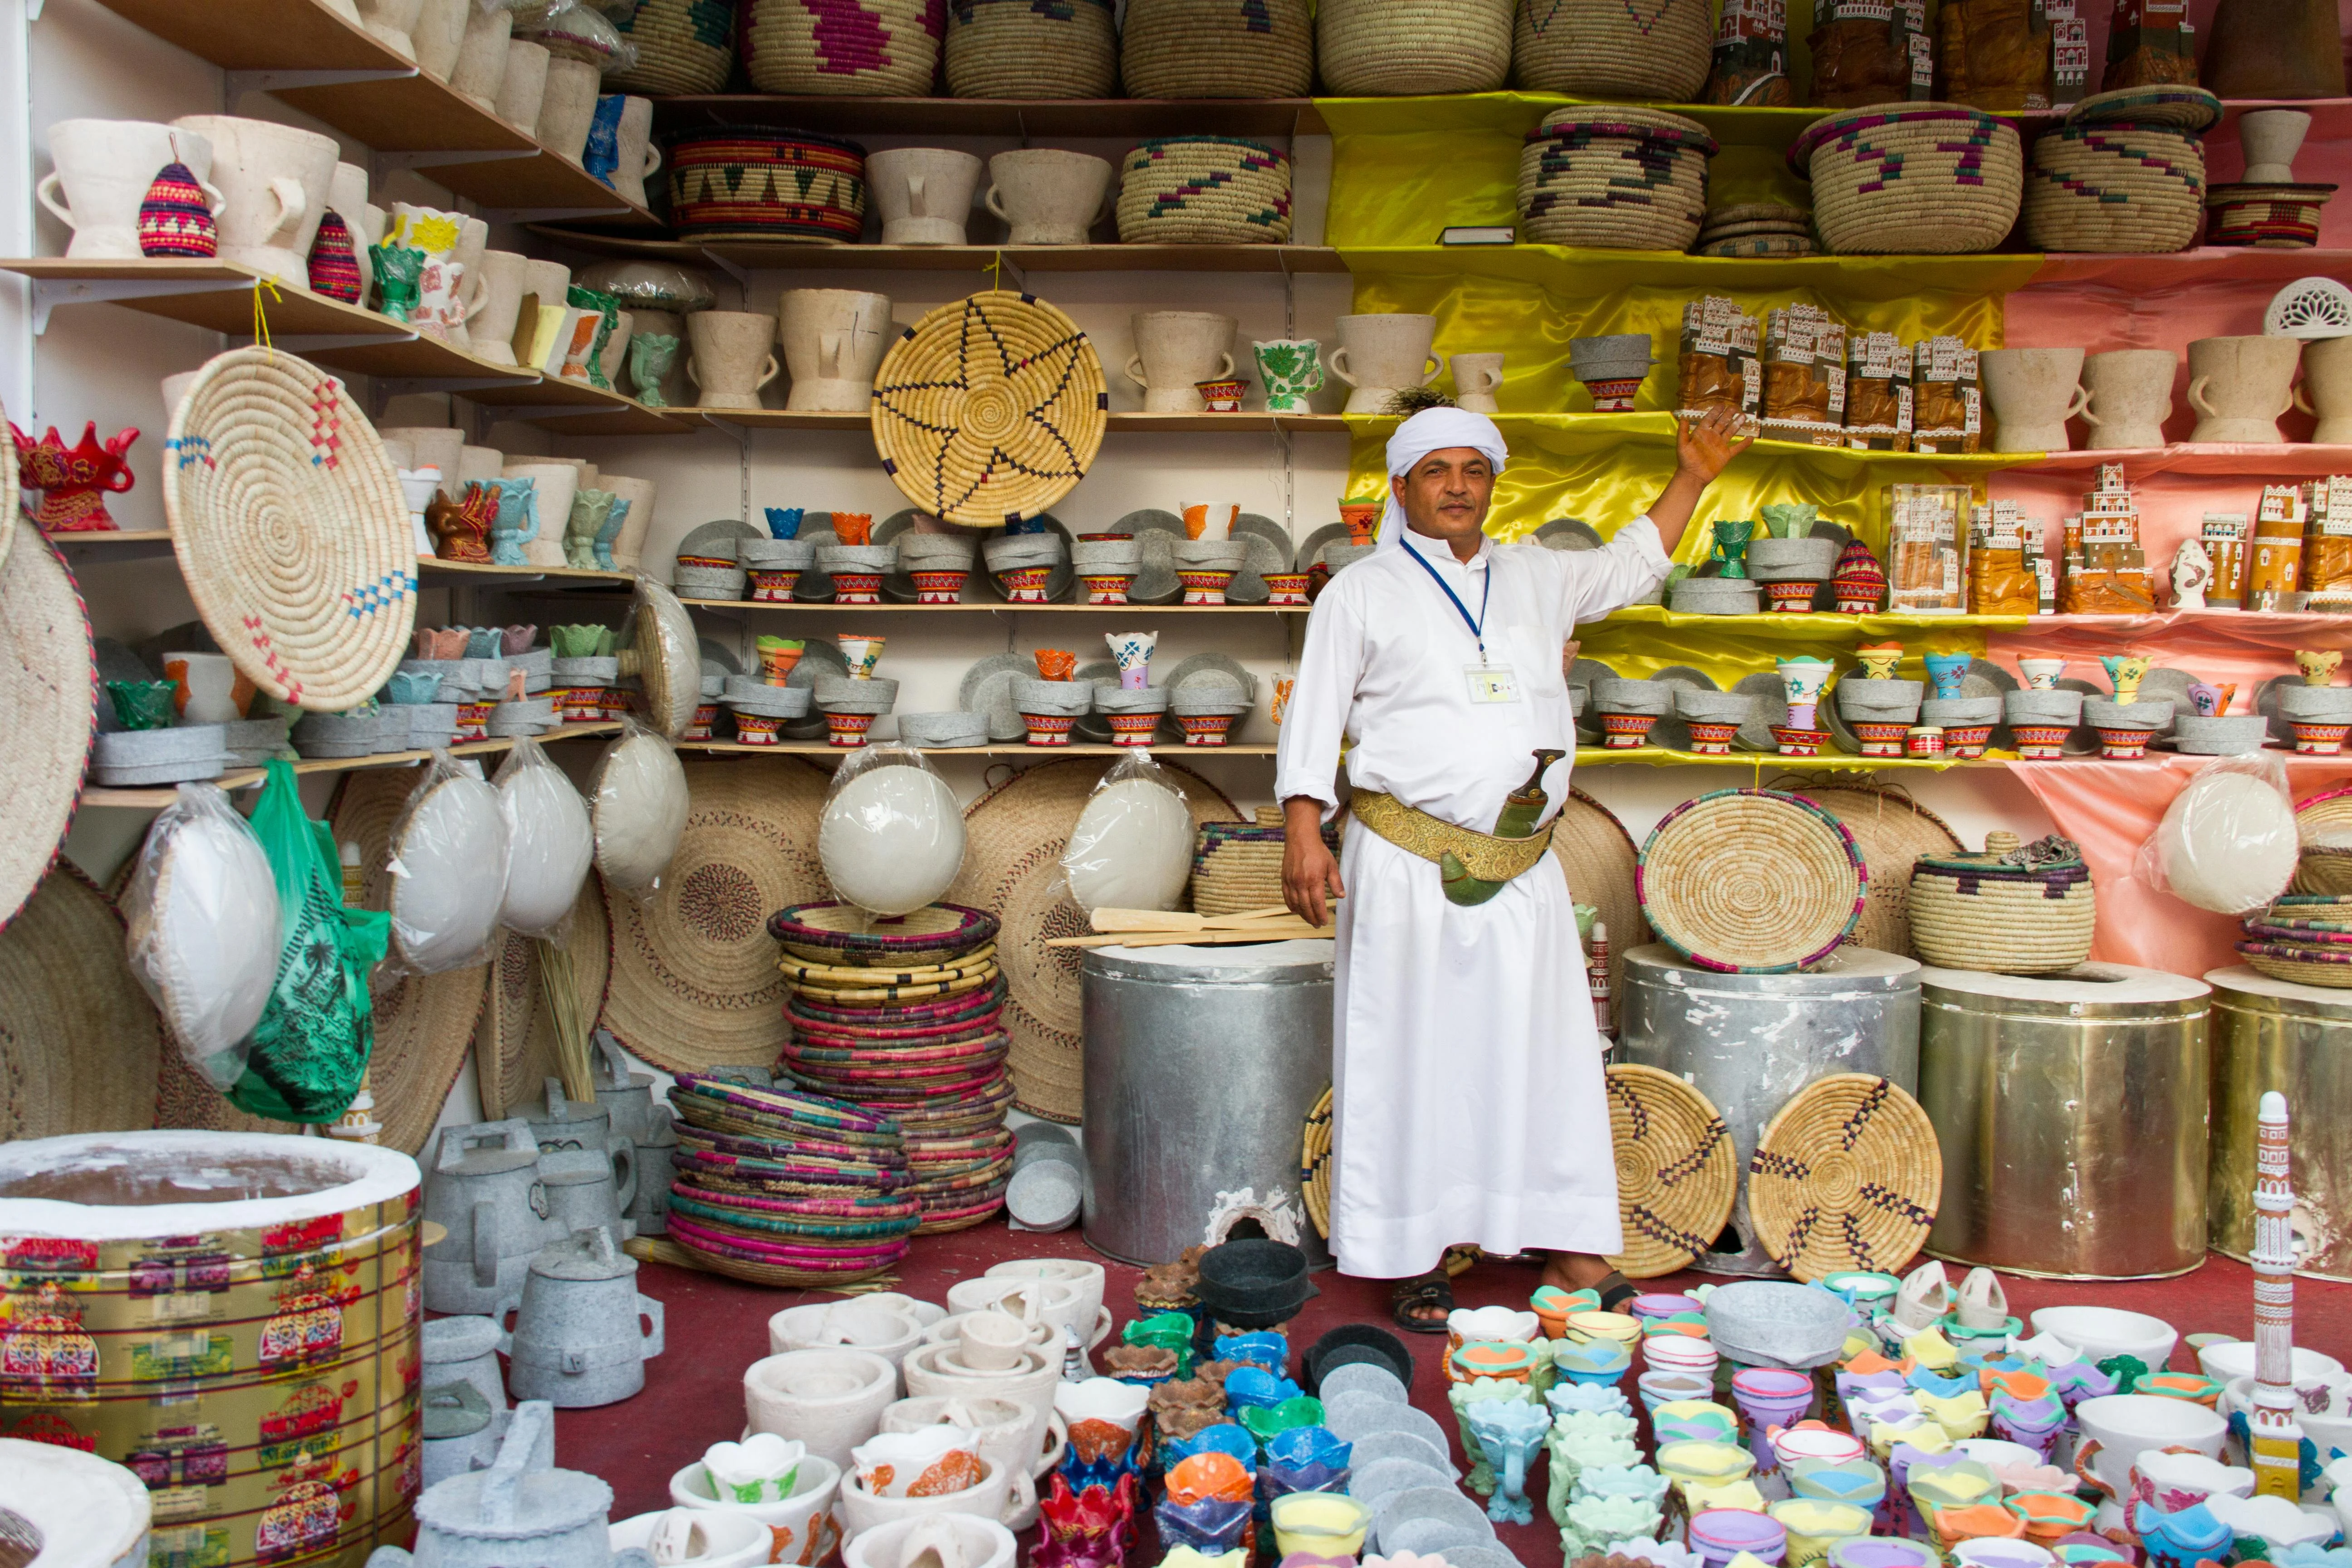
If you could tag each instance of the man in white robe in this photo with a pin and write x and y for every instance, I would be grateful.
(1467, 1066)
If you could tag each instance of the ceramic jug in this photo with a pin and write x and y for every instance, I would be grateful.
(833, 342)
(556, 1121)
(482, 67)
(524, 86)
(1382, 355)
(2239, 387)
(1291, 371)
(483, 1188)
(103, 168)
(490, 329)
(1476, 379)
(2326, 389)
(576, 1341)
(731, 361)
(1174, 352)
(521, 1512)
(567, 107)
(2033, 393)
(924, 194)
(1048, 196)
(392, 23)
(273, 182)
(2131, 397)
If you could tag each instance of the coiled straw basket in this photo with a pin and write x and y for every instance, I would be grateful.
(683, 47)
(1205, 190)
(2125, 174)
(1019, 49)
(1751, 882)
(1916, 178)
(1217, 48)
(795, 47)
(1677, 1170)
(1993, 912)
(1615, 49)
(1847, 1176)
(754, 181)
(1614, 178)
(1392, 48)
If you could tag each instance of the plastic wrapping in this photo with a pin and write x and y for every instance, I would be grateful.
(664, 653)
(571, 30)
(1133, 846)
(201, 911)
(2229, 842)
(549, 843)
(636, 805)
(448, 857)
(891, 835)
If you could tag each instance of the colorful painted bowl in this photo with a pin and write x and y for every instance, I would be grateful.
(1720, 1534)
(1813, 1527)
(939, 586)
(1883, 1551)
(1656, 1304)
(2190, 1386)
(1685, 1461)
(1694, 1421)
(1594, 1324)
(1967, 740)
(1022, 584)
(2319, 739)
(1205, 728)
(2051, 1516)
(845, 730)
(1205, 586)
(2040, 742)
(1711, 737)
(1049, 729)
(773, 587)
(1816, 1440)
(1977, 1521)
(1133, 729)
(1879, 739)
(1855, 1481)
(1791, 598)
(1505, 1361)
(762, 729)
(1624, 732)
(1659, 1388)
(2130, 743)
(1796, 742)
(1590, 1360)
(1286, 587)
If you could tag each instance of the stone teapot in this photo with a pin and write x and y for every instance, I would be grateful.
(519, 1514)
(627, 1095)
(483, 1187)
(582, 1194)
(2241, 385)
(576, 1342)
(560, 1124)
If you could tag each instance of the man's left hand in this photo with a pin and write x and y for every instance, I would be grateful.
(1704, 447)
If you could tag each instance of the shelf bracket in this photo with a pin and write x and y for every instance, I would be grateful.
(325, 342)
(450, 159)
(48, 293)
(238, 83)
(742, 275)
(548, 215)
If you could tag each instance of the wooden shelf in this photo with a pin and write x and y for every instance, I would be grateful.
(318, 62)
(886, 608)
(1813, 627)
(1017, 118)
(1043, 753)
(133, 545)
(2287, 459)
(157, 798)
(755, 255)
(1249, 422)
(484, 574)
(577, 408)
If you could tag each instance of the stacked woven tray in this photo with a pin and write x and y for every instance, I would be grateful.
(1614, 178)
(787, 1188)
(757, 182)
(1203, 190)
(905, 1019)
(1911, 178)
(2302, 937)
(1756, 228)
(2125, 174)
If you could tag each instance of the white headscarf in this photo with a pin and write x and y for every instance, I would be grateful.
(1435, 430)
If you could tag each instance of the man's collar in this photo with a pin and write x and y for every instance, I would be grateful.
(1440, 550)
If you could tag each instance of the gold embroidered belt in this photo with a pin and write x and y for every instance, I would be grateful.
(1414, 831)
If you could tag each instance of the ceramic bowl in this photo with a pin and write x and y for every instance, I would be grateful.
(730, 1540)
(789, 1522)
(830, 1400)
(848, 1325)
(2100, 1333)
(962, 1540)
(990, 1498)
(2229, 1360)
(2126, 1425)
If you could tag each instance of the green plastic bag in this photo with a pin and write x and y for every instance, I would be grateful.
(311, 1047)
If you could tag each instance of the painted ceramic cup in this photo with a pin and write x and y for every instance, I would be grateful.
(1949, 673)
(2210, 702)
(1730, 547)
(1132, 652)
(1798, 742)
(1285, 587)
(1291, 370)
(2126, 671)
(2041, 674)
(1878, 660)
(1222, 396)
(862, 652)
(1804, 678)
(1364, 521)
(777, 657)
(2318, 667)
(1106, 587)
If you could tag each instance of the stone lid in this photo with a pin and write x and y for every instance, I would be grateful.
(455, 1410)
(584, 1255)
(459, 1338)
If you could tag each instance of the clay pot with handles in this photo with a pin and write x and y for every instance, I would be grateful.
(273, 180)
(833, 342)
(102, 169)
(924, 194)
(1047, 196)
(731, 361)
(2033, 393)
(482, 67)
(2130, 397)
(2241, 385)
(639, 158)
(2326, 389)
(1382, 354)
(1174, 351)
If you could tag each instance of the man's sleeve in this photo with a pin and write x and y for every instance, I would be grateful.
(1616, 574)
(1306, 757)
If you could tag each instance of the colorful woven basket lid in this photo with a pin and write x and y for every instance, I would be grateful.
(1966, 124)
(2176, 107)
(177, 218)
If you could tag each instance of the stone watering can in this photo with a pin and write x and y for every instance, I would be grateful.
(576, 1341)
(483, 1186)
(519, 1514)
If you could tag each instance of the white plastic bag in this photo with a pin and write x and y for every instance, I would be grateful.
(448, 857)
(637, 804)
(203, 923)
(660, 648)
(549, 842)
(2228, 843)
(891, 836)
(1133, 846)
(572, 31)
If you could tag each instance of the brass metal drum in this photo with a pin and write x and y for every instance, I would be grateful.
(2275, 1034)
(2071, 1113)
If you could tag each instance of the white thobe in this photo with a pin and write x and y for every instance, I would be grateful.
(1467, 1067)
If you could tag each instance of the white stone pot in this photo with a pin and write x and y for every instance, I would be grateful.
(482, 67)
(795, 1525)
(392, 24)
(1174, 352)
(2033, 393)
(555, 484)
(833, 342)
(2271, 137)
(273, 180)
(851, 1324)
(2326, 389)
(616, 347)
(490, 329)
(2131, 397)
(638, 157)
(1476, 379)
(1087, 1277)
(1382, 355)
(952, 1541)
(1002, 1428)
(1048, 196)
(2239, 387)
(932, 1369)
(829, 1400)
(440, 34)
(731, 361)
(924, 194)
(629, 545)
(524, 86)
(104, 168)
(567, 107)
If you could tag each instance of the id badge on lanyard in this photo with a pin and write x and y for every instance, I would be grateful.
(1489, 682)
(1492, 683)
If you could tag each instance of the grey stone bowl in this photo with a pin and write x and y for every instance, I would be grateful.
(876, 694)
(1103, 557)
(1205, 707)
(1118, 700)
(1010, 552)
(536, 663)
(2224, 735)
(1618, 357)
(708, 581)
(1960, 711)
(1578, 696)
(1436, 1517)
(430, 724)
(2100, 713)
(1053, 696)
(754, 696)
(1716, 596)
(1804, 559)
(350, 734)
(1717, 707)
(943, 730)
(1374, 1447)
(253, 741)
(936, 552)
(1336, 556)
(2030, 707)
(777, 554)
(528, 717)
(1044, 1197)
(2316, 704)
(1374, 1481)
(589, 672)
(1854, 690)
(1362, 1378)
(1618, 696)
(129, 757)
(1765, 1322)
(1217, 554)
(722, 547)
(830, 558)
(713, 685)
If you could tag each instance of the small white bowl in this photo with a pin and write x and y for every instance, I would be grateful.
(2103, 1332)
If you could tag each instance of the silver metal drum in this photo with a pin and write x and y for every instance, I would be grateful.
(1749, 1042)
(2071, 1113)
(2275, 1034)
(1201, 1064)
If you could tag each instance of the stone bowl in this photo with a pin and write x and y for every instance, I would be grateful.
(1766, 1323)
(1717, 707)
(1011, 552)
(777, 554)
(528, 717)
(708, 581)
(1618, 696)
(876, 694)
(1053, 696)
(936, 552)
(1101, 557)
(2101, 714)
(943, 730)
(713, 685)
(125, 757)
(1336, 556)
(1806, 560)
(2224, 735)
(591, 671)
(1044, 1197)
(1618, 357)
(1716, 596)
(1217, 554)
(2316, 704)
(868, 558)
(341, 734)
(1856, 691)
(1205, 707)
(430, 725)
(253, 741)
(1960, 711)
(751, 695)
(2030, 707)
(1118, 700)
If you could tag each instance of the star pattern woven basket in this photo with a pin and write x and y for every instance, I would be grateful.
(1847, 1176)
(1677, 1172)
(989, 409)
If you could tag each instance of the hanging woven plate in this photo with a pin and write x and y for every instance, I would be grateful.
(1751, 882)
(1848, 1175)
(1599, 858)
(1014, 836)
(80, 1043)
(989, 409)
(695, 982)
(514, 1044)
(8, 503)
(48, 691)
(291, 529)
(1891, 830)
(666, 658)
(1677, 1172)
(1314, 1165)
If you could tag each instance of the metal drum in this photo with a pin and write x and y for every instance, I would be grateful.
(1749, 1042)
(1201, 1065)
(2072, 1115)
(2275, 1034)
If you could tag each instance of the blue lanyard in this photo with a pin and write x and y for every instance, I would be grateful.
(1478, 626)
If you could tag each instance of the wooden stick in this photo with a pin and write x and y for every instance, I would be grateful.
(1296, 931)
(1182, 919)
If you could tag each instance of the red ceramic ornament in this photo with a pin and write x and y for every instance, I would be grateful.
(74, 481)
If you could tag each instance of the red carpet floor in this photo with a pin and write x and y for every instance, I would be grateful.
(693, 1396)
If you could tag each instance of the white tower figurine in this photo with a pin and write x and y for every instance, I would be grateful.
(2276, 1437)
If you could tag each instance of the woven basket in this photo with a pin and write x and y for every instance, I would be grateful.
(1614, 178)
(1916, 178)
(1203, 190)
(989, 409)
(1847, 1176)
(291, 529)
(1892, 831)
(1677, 1172)
(81, 1045)
(1314, 1165)
(48, 689)
(889, 49)
(1020, 48)
(2303, 966)
(1983, 911)
(2323, 868)
(1237, 866)
(1393, 48)
(1751, 882)
(1597, 856)
(754, 181)
(1218, 48)
(2115, 188)
(1615, 49)
(683, 47)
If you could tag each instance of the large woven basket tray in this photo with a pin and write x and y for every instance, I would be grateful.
(837, 934)
(1751, 882)
(1847, 1176)
(1678, 1171)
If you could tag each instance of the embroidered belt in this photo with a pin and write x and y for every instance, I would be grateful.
(1414, 831)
